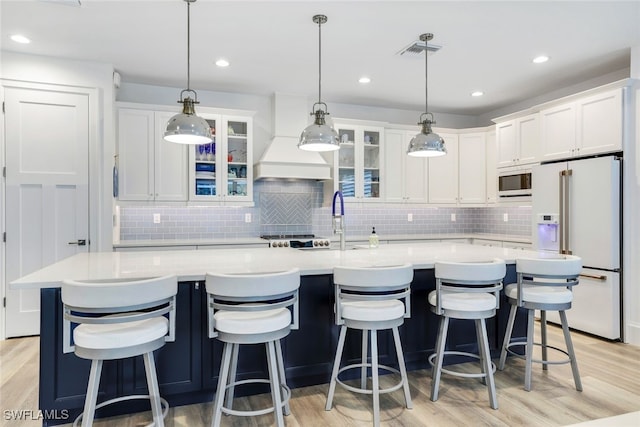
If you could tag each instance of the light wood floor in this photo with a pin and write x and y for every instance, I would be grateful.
(610, 375)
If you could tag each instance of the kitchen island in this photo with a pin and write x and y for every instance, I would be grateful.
(188, 367)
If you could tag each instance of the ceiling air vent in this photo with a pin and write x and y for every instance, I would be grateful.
(416, 47)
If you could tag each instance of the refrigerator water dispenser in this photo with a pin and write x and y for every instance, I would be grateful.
(548, 232)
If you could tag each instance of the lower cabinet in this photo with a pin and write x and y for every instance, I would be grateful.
(188, 367)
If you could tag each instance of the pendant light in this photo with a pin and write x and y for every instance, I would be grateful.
(319, 136)
(426, 143)
(187, 127)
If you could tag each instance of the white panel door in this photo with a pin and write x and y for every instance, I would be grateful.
(47, 142)
(558, 132)
(170, 164)
(506, 143)
(136, 141)
(600, 123)
(394, 177)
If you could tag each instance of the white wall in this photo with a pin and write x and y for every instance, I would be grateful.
(79, 74)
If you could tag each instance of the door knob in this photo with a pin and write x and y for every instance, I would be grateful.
(79, 242)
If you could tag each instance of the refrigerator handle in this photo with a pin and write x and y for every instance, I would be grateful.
(561, 211)
(565, 226)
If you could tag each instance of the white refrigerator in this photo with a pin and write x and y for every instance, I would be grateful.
(577, 210)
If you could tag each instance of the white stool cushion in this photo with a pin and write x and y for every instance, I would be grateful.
(540, 294)
(120, 335)
(464, 301)
(252, 322)
(372, 311)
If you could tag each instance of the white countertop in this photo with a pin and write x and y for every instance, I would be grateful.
(192, 265)
(257, 240)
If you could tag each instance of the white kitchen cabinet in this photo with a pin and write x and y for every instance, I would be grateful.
(443, 173)
(405, 179)
(472, 168)
(149, 168)
(491, 165)
(357, 170)
(587, 126)
(222, 171)
(518, 141)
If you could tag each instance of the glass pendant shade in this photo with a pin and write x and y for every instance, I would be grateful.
(187, 127)
(426, 143)
(319, 136)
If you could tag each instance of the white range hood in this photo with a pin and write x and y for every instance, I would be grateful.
(282, 158)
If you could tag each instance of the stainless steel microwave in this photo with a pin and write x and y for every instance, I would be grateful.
(514, 183)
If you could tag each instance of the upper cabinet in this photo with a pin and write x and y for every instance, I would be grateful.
(443, 172)
(222, 170)
(587, 126)
(150, 168)
(357, 169)
(491, 165)
(405, 179)
(518, 141)
(472, 168)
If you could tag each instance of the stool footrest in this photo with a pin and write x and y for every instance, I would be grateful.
(544, 362)
(461, 374)
(366, 390)
(164, 403)
(286, 395)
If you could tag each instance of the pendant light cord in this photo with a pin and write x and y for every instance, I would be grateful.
(188, 45)
(426, 77)
(319, 61)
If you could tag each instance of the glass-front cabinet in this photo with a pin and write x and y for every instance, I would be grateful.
(221, 170)
(357, 163)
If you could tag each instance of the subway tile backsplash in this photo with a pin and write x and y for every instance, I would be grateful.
(296, 207)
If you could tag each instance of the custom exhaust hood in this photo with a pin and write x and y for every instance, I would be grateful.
(282, 158)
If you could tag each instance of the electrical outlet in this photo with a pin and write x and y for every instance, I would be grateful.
(453, 217)
(410, 217)
(156, 218)
(505, 217)
(247, 217)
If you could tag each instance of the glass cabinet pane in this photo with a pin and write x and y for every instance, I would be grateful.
(371, 146)
(205, 155)
(237, 166)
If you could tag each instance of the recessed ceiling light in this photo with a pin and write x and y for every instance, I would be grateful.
(540, 59)
(364, 80)
(19, 38)
(222, 62)
(477, 93)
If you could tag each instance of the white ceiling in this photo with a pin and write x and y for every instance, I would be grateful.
(273, 46)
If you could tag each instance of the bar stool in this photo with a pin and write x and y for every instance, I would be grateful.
(116, 320)
(543, 284)
(369, 299)
(252, 309)
(466, 291)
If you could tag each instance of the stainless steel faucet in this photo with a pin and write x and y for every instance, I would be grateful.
(338, 220)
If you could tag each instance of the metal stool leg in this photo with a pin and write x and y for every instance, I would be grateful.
(570, 350)
(92, 393)
(374, 377)
(507, 336)
(154, 391)
(272, 361)
(230, 393)
(222, 383)
(481, 327)
(363, 370)
(403, 369)
(529, 350)
(481, 353)
(437, 367)
(281, 372)
(543, 338)
(336, 367)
